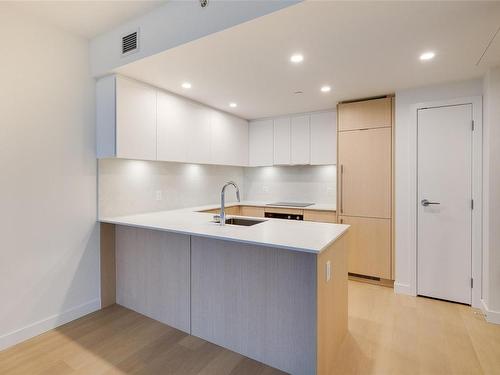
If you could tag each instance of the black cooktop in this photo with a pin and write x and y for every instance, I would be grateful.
(290, 204)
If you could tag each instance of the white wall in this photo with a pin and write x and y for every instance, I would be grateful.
(491, 215)
(49, 263)
(129, 186)
(315, 184)
(175, 23)
(404, 101)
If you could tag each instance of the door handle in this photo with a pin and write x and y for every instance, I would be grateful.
(341, 188)
(426, 203)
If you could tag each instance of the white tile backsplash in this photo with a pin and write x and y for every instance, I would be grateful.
(133, 186)
(315, 184)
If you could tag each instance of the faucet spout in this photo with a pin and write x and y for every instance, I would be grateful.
(223, 200)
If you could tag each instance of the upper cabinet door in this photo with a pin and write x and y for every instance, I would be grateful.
(135, 120)
(324, 138)
(261, 142)
(282, 141)
(229, 139)
(172, 133)
(183, 129)
(300, 143)
(368, 114)
(365, 175)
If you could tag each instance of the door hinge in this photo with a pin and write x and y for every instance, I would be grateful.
(472, 125)
(471, 283)
(472, 204)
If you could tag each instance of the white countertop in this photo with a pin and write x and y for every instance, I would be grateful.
(304, 236)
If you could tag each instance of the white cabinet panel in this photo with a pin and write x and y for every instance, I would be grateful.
(300, 144)
(183, 130)
(282, 141)
(135, 120)
(261, 143)
(172, 135)
(323, 138)
(228, 139)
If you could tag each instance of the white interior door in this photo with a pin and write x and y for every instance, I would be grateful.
(444, 232)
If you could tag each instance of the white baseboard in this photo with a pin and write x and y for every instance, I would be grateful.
(34, 329)
(400, 288)
(491, 315)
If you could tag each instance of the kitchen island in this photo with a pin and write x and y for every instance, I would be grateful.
(275, 291)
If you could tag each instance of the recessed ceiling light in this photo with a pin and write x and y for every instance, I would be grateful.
(186, 85)
(427, 56)
(297, 58)
(326, 88)
(233, 105)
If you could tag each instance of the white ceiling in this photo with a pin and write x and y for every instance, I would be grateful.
(86, 18)
(361, 49)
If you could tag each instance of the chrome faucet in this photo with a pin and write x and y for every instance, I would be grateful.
(222, 216)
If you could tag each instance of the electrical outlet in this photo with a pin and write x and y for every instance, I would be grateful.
(328, 271)
(159, 195)
(265, 188)
(329, 190)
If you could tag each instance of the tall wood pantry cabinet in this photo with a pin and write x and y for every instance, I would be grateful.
(365, 184)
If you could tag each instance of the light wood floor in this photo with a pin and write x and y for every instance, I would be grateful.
(388, 334)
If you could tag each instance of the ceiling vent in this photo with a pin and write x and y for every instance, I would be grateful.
(130, 43)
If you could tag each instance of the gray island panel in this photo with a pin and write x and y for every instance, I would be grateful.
(258, 301)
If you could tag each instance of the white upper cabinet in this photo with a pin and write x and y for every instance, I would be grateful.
(323, 138)
(300, 142)
(282, 141)
(261, 143)
(139, 121)
(135, 120)
(183, 129)
(228, 139)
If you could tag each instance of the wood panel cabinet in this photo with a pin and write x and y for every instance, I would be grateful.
(367, 114)
(252, 211)
(365, 172)
(320, 216)
(261, 143)
(365, 184)
(369, 246)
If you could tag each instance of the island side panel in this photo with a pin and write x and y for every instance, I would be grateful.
(332, 304)
(258, 301)
(108, 265)
(153, 274)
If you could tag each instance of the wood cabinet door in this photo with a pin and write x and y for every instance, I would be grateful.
(252, 211)
(365, 173)
(135, 120)
(368, 114)
(320, 216)
(323, 138)
(260, 148)
(369, 246)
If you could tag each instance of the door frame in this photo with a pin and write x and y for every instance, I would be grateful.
(477, 190)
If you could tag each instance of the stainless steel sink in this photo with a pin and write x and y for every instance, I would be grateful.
(243, 222)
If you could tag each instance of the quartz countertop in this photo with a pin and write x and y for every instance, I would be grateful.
(304, 236)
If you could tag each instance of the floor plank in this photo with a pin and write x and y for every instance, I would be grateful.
(388, 334)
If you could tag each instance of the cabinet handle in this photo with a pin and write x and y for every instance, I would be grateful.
(341, 188)
(341, 221)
